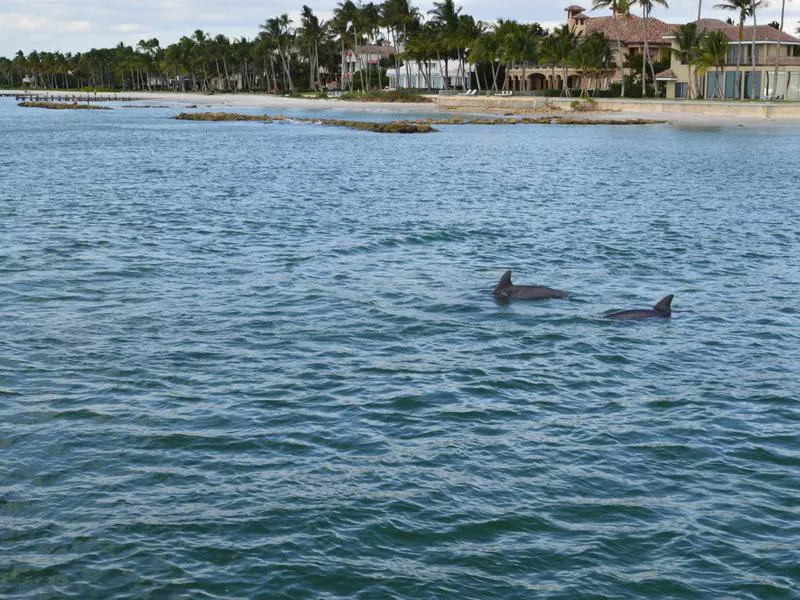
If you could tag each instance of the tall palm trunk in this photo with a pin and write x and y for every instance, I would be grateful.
(444, 74)
(316, 63)
(753, 92)
(227, 75)
(311, 84)
(341, 75)
(357, 57)
(778, 53)
(619, 53)
(408, 66)
(646, 55)
(738, 77)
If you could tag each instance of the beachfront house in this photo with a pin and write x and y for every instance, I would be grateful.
(708, 83)
(411, 74)
(368, 56)
(631, 30)
(430, 75)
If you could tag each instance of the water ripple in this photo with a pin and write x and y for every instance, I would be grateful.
(264, 362)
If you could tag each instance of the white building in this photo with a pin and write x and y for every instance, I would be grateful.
(430, 75)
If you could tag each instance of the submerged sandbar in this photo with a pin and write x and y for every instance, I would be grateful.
(414, 126)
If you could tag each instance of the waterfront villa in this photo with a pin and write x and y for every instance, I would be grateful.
(430, 75)
(706, 84)
(631, 31)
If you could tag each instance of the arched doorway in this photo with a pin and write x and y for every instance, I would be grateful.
(537, 81)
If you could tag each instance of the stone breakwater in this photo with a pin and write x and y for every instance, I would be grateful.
(414, 126)
(61, 106)
(390, 127)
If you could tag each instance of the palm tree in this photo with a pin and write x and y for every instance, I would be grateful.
(688, 42)
(564, 42)
(371, 19)
(714, 53)
(277, 31)
(486, 49)
(423, 48)
(342, 17)
(590, 57)
(392, 21)
(778, 52)
(548, 56)
(345, 16)
(310, 34)
(446, 19)
(744, 8)
(621, 7)
(647, 8)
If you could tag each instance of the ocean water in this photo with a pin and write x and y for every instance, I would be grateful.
(262, 361)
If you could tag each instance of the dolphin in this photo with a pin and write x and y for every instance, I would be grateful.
(663, 310)
(506, 289)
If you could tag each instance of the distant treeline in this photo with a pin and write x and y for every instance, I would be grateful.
(286, 57)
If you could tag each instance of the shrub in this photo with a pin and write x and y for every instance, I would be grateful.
(587, 105)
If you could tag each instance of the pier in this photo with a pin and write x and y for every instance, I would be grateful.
(84, 97)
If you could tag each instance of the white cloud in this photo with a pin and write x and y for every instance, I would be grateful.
(21, 22)
(127, 27)
(78, 25)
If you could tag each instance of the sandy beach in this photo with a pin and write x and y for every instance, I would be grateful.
(279, 103)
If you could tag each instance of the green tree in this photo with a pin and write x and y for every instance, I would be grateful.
(591, 57)
(486, 51)
(400, 17)
(564, 43)
(445, 19)
(647, 8)
(617, 7)
(745, 9)
(278, 32)
(688, 51)
(774, 94)
(713, 52)
(311, 35)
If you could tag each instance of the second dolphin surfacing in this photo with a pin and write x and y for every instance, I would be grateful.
(661, 310)
(506, 289)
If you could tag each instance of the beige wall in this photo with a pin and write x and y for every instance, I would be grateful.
(766, 54)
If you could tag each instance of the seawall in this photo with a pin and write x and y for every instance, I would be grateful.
(656, 108)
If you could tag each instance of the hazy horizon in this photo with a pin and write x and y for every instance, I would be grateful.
(80, 25)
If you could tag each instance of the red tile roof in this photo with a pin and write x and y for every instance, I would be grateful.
(764, 33)
(631, 29)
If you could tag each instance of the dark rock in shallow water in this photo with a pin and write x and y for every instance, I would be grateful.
(386, 127)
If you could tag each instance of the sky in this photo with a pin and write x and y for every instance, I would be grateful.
(79, 25)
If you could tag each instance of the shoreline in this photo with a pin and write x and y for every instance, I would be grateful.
(677, 113)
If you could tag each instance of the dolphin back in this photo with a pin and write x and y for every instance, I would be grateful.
(663, 309)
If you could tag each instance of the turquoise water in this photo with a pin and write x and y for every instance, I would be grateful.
(243, 360)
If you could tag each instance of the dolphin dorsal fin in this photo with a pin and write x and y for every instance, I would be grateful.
(503, 284)
(665, 304)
